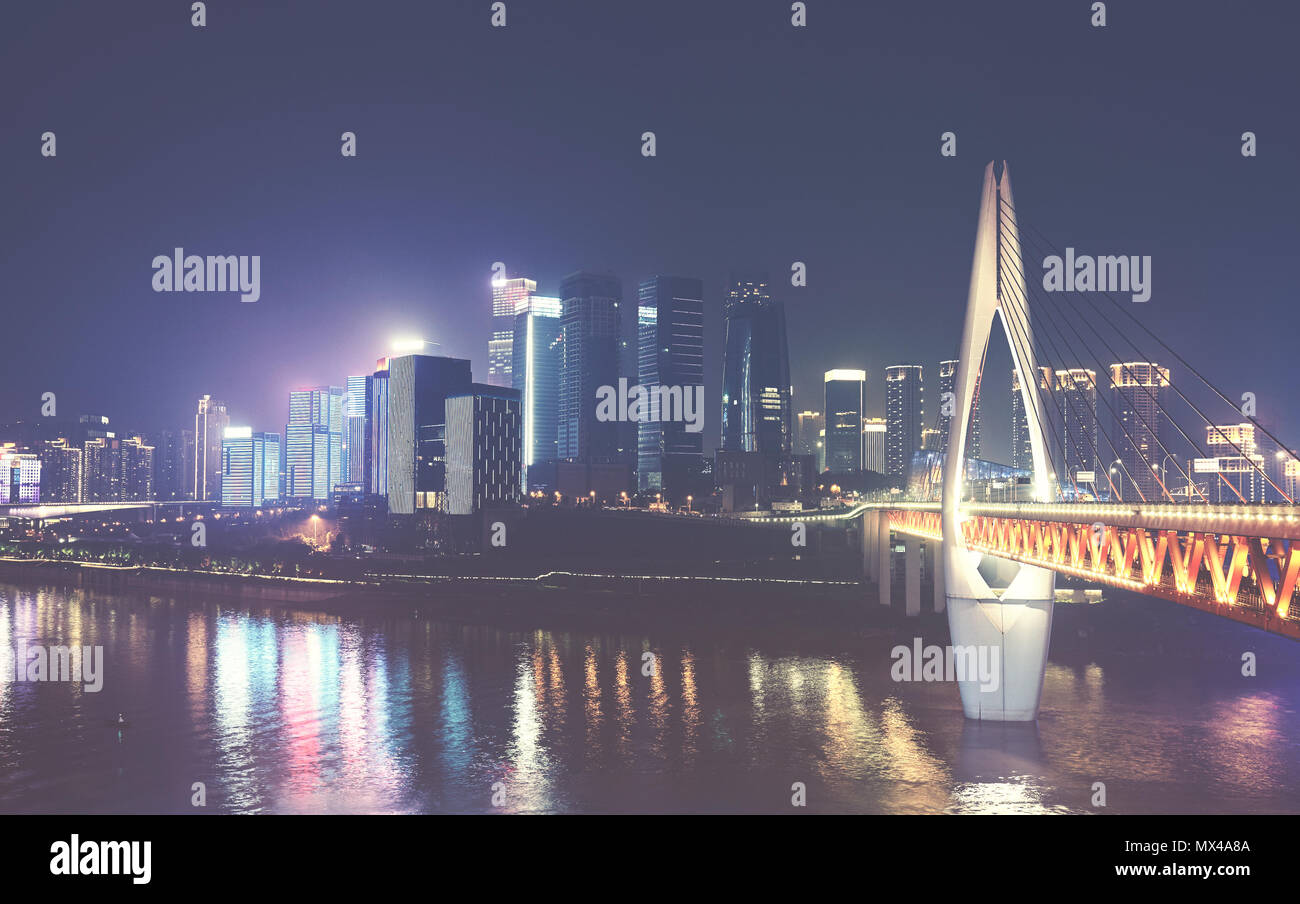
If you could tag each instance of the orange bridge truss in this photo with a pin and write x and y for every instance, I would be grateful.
(1243, 576)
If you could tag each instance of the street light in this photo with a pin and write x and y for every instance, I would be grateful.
(1120, 476)
(315, 519)
(688, 502)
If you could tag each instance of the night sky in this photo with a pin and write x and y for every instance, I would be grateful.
(522, 144)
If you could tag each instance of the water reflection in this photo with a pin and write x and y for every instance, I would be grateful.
(282, 712)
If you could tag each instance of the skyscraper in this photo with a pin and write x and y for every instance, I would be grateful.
(60, 470)
(670, 353)
(1139, 389)
(209, 427)
(135, 459)
(484, 444)
(171, 463)
(314, 442)
(904, 416)
(810, 435)
(947, 384)
(356, 412)
(377, 484)
(874, 432)
(506, 297)
(250, 468)
(1022, 455)
(590, 324)
(1076, 391)
(20, 475)
(756, 405)
(535, 370)
(418, 387)
(101, 468)
(844, 396)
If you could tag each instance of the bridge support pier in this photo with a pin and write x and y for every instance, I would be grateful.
(884, 553)
(935, 550)
(870, 525)
(912, 574)
(1008, 641)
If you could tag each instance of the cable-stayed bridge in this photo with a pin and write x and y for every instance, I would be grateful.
(1220, 531)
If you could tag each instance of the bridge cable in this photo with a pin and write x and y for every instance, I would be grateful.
(1160, 408)
(1119, 420)
(1110, 441)
(1189, 402)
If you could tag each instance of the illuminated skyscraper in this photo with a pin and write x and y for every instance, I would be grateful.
(20, 475)
(1139, 390)
(1022, 455)
(947, 384)
(874, 432)
(101, 468)
(904, 416)
(209, 426)
(356, 414)
(756, 406)
(538, 354)
(135, 459)
(1076, 394)
(670, 353)
(418, 387)
(484, 442)
(844, 394)
(590, 323)
(314, 442)
(250, 468)
(377, 484)
(506, 297)
(60, 471)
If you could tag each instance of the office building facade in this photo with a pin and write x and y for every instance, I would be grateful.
(845, 394)
(670, 353)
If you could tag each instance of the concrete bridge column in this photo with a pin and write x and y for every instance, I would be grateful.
(936, 572)
(885, 551)
(912, 574)
(869, 556)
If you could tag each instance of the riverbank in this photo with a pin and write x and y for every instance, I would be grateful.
(703, 607)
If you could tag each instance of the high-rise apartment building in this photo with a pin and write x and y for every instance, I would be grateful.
(904, 416)
(1076, 396)
(946, 407)
(1139, 389)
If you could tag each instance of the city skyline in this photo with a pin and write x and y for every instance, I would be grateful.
(886, 258)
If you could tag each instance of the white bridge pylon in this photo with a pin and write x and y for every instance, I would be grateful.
(1015, 625)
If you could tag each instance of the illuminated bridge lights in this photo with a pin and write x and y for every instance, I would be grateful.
(1243, 576)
